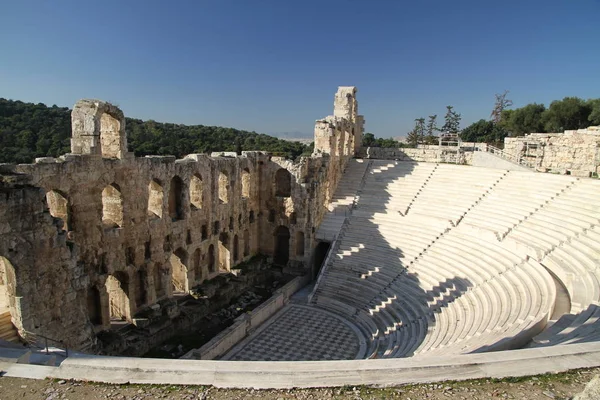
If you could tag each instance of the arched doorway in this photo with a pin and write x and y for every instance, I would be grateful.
(179, 278)
(117, 286)
(299, 244)
(282, 245)
(211, 259)
(319, 257)
(224, 253)
(94, 305)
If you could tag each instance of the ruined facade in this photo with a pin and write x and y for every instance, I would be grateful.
(98, 234)
(575, 152)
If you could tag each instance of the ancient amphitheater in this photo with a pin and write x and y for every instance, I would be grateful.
(442, 262)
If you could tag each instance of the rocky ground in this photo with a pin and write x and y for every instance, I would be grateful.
(560, 386)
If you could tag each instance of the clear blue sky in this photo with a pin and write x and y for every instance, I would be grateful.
(274, 65)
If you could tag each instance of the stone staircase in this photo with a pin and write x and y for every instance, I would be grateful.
(8, 332)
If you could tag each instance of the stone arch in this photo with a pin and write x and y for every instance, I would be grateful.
(197, 260)
(196, 192)
(224, 253)
(58, 205)
(300, 244)
(8, 286)
(179, 271)
(283, 183)
(223, 187)
(117, 286)
(246, 183)
(246, 243)
(211, 259)
(282, 245)
(112, 206)
(236, 244)
(98, 128)
(155, 199)
(176, 198)
(94, 305)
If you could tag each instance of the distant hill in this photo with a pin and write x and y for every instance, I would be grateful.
(30, 130)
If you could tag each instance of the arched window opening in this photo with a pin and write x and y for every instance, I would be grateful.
(110, 139)
(223, 187)
(293, 218)
(141, 294)
(271, 217)
(196, 192)
(283, 183)
(117, 286)
(155, 199)
(251, 217)
(178, 261)
(204, 232)
(299, 244)
(216, 227)
(94, 306)
(198, 273)
(282, 246)
(246, 243)
(235, 248)
(211, 259)
(58, 205)
(176, 199)
(230, 223)
(188, 237)
(224, 254)
(245, 183)
(112, 206)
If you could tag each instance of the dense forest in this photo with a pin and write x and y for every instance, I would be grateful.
(30, 130)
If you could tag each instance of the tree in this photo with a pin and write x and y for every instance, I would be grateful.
(500, 105)
(430, 137)
(568, 113)
(484, 131)
(420, 129)
(523, 120)
(594, 117)
(451, 121)
(368, 140)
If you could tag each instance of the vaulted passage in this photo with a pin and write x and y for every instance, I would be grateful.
(282, 245)
(117, 286)
(196, 192)
(58, 205)
(112, 206)
(178, 261)
(110, 140)
(176, 199)
(319, 257)
(283, 183)
(155, 199)
(224, 254)
(94, 306)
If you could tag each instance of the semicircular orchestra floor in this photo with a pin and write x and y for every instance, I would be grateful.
(301, 333)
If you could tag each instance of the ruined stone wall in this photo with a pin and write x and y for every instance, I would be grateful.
(573, 152)
(424, 153)
(99, 234)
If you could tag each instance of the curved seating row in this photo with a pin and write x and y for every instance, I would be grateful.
(415, 273)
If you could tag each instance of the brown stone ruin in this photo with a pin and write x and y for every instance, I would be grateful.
(99, 235)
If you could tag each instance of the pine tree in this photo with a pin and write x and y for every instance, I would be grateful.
(451, 121)
(430, 137)
(420, 129)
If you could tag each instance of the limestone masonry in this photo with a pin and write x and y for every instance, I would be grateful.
(98, 234)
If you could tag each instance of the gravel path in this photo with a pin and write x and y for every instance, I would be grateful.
(561, 386)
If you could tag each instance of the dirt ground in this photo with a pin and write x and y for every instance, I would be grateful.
(560, 386)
